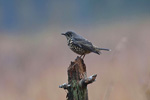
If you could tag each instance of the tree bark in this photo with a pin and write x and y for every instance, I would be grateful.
(77, 81)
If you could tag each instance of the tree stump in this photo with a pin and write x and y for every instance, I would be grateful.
(77, 81)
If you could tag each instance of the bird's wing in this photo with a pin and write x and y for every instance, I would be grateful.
(83, 43)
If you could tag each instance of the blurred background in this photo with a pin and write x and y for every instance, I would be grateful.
(34, 56)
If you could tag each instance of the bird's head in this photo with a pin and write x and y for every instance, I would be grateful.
(69, 34)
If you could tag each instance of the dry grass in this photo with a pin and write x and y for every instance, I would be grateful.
(32, 68)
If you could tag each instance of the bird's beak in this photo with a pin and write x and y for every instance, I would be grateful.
(63, 34)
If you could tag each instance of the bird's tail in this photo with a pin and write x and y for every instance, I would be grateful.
(103, 49)
(98, 50)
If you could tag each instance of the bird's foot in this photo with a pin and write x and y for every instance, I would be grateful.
(82, 56)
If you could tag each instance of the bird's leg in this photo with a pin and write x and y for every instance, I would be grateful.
(83, 56)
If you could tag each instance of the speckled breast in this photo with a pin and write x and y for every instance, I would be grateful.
(78, 49)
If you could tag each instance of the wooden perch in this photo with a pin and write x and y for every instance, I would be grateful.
(64, 86)
(85, 81)
(77, 81)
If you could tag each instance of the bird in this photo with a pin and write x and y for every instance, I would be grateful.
(81, 45)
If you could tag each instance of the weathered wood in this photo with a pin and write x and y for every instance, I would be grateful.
(85, 81)
(77, 81)
(76, 72)
(64, 86)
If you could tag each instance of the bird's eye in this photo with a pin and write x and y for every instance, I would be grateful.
(69, 34)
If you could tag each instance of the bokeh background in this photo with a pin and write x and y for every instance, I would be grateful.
(34, 56)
